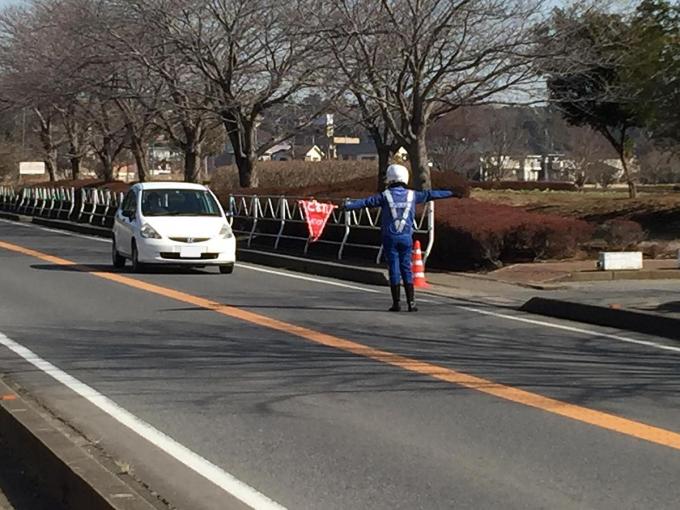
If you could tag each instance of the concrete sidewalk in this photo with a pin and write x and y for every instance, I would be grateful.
(550, 273)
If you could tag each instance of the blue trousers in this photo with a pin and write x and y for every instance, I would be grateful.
(398, 251)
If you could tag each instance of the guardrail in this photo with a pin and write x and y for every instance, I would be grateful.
(263, 219)
(281, 218)
(87, 205)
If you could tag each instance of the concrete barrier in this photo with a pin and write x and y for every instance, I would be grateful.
(67, 473)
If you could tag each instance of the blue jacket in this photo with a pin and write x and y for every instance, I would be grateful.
(391, 226)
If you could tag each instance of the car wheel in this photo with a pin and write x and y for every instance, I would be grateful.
(137, 266)
(117, 259)
(227, 269)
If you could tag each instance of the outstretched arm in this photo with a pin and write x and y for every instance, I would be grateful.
(435, 194)
(372, 201)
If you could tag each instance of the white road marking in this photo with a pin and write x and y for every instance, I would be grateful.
(203, 467)
(547, 324)
(572, 329)
(307, 278)
(57, 231)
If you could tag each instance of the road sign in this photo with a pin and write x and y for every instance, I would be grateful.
(32, 168)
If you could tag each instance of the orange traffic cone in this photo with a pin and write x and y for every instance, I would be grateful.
(418, 267)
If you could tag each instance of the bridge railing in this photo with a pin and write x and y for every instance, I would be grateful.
(87, 205)
(280, 219)
(276, 221)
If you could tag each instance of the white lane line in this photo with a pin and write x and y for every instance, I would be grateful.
(572, 329)
(203, 467)
(552, 325)
(307, 278)
(57, 231)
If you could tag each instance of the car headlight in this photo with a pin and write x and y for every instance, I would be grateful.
(225, 232)
(148, 232)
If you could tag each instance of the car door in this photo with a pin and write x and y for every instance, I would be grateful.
(125, 222)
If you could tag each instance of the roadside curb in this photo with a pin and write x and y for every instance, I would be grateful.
(67, 472)
(605, 276)
(15, 217)
(345, 272)
(604, 316)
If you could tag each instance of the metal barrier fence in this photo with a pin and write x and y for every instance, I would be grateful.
(87, 205)
(275, 219)
(282, 218)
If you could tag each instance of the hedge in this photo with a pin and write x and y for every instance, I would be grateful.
(474, 234)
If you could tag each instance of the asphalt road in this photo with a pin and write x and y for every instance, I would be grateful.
(308, 393)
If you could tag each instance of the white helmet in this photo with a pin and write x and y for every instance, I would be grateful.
(397, 173)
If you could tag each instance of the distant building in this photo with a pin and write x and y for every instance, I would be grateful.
(279, 147)
(299, 153)
(529, 167)
(363, 151)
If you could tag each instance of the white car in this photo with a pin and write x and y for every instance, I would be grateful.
(172, 223)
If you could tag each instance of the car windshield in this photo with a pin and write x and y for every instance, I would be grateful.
(179, 202)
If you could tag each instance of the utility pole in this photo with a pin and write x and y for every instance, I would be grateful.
(23, 129)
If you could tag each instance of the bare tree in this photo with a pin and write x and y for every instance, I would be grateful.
(254, 54)
(185, 111)
(455, 140)
(659, 163)
(47, 64)
(585, 150)
(367, 115)
(138, 97)
(108, 134)
(22, 86)
(503, 142)
(421, 59)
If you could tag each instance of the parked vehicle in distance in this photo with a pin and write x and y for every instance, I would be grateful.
(172, 223)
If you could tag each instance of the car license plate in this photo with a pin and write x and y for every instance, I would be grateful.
(190, 252)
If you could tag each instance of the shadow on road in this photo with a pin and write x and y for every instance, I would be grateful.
(236, 365)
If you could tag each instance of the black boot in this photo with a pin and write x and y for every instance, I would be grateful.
(411, 298)
(396, 291)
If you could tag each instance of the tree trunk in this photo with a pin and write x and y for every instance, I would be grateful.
(75, 145)
(50, 151)
(51, 164)
(106, 159)
(620, 146)
(384, 155)
(242, 136)
(106, 167)
(75, 166)
(420, 168)
(632, 185)
(247, 174)
(192, 165)
(140, 152)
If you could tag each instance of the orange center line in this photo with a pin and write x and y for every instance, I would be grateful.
(599, 419)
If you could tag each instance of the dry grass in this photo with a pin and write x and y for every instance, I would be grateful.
(294, 174)
(581, 204)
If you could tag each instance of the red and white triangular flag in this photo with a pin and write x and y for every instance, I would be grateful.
(316, 214)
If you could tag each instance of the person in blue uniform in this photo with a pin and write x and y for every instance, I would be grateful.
(398, 205)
